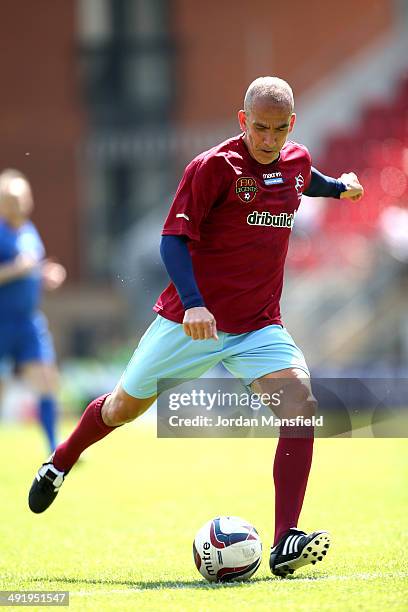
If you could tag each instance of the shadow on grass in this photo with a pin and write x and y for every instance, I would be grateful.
(171, 584)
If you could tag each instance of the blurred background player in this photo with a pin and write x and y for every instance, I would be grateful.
(24, 336)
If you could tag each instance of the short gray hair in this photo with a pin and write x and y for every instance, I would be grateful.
(274, 89)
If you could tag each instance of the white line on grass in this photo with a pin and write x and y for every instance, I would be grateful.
(317, 579)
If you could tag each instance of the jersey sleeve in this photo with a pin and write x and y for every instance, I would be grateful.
(203, 182)
(8, 248)
(30, 243)
(308, 168)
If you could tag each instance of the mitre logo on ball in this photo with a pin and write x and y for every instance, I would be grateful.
(246, 189)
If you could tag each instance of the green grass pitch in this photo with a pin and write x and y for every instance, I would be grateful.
(119, 535)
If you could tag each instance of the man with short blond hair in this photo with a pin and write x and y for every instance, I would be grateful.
(24, 336)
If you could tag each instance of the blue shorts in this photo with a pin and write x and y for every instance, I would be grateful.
(26, 339)
(166, 352)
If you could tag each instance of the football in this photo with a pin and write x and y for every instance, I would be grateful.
(227, 548)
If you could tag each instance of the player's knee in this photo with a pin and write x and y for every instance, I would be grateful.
(299, 400)
(307, 404)
(41, 377)
(310, 407)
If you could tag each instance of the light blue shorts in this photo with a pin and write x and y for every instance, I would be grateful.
(166, 352)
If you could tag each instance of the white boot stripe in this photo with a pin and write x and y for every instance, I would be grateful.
(292, 545)
(286, 545)
(58, 476)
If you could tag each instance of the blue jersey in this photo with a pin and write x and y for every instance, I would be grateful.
(20, 297)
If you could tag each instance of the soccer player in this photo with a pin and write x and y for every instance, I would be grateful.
(24, 336)
(224, 245)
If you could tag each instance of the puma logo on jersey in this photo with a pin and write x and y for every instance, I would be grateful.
(183, 216)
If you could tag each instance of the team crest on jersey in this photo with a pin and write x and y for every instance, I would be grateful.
(246, 189)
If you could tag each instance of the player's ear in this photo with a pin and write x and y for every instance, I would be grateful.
(292, 122)
(242, 120)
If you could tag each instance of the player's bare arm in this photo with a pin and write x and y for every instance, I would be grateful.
(354, 189)
(200, 324)
(21, 266)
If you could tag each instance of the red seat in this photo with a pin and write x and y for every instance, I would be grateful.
(378, 153)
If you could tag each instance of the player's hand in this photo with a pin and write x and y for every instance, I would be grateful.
(354, 190)
(25, 264)
(53, 274)
(199, 324)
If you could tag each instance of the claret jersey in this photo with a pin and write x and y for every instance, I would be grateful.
(238, 215)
